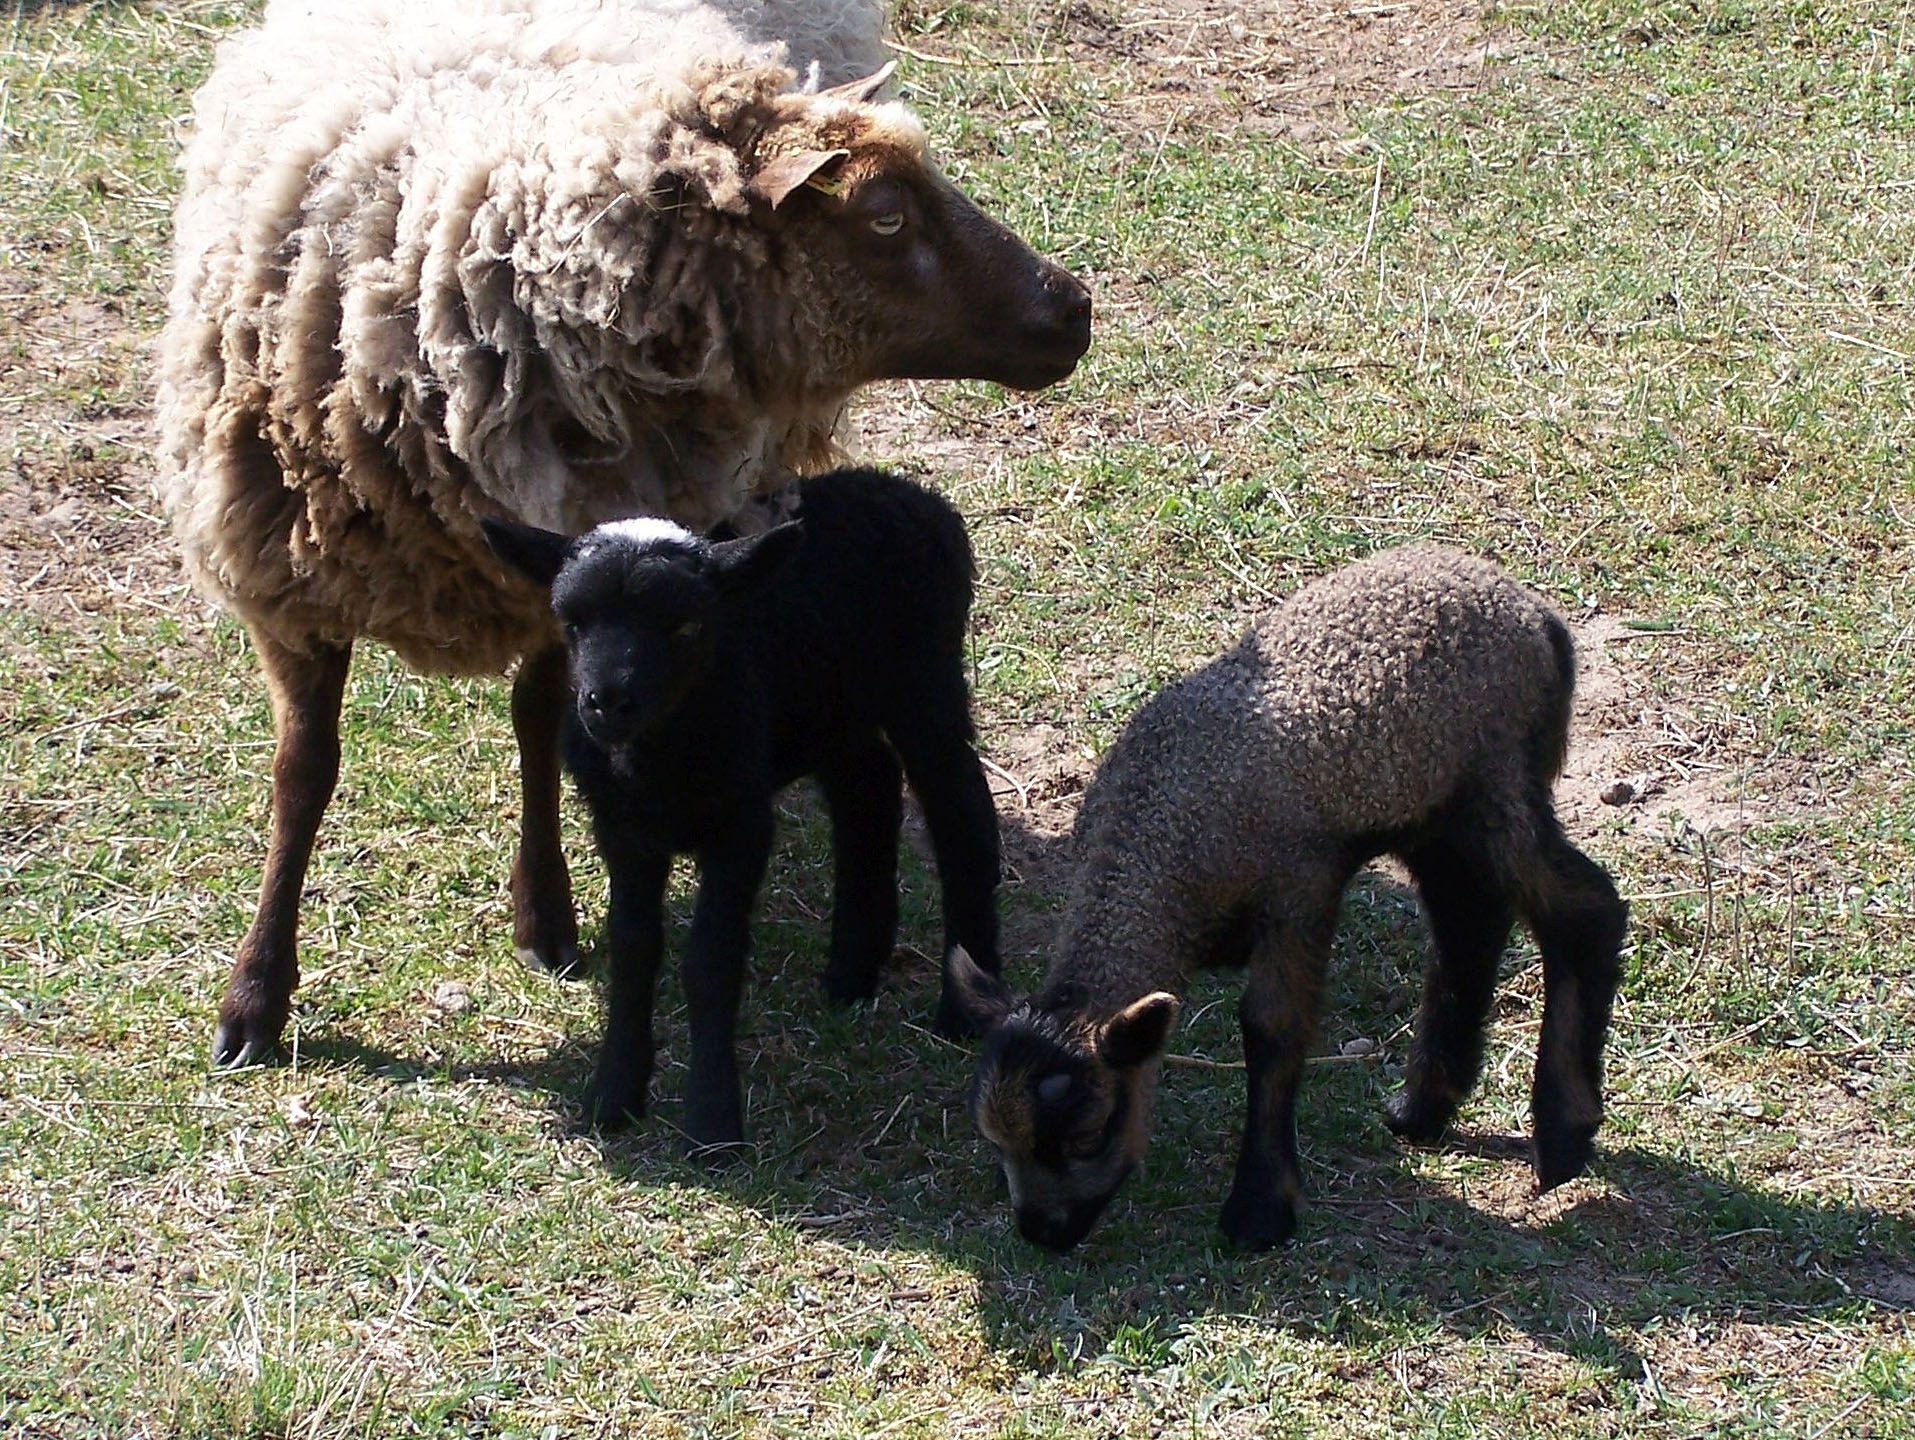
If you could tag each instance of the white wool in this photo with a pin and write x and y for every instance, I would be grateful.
(644, 532)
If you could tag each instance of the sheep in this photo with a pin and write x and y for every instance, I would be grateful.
(557, 261)
(711, 675)
(1416, 704)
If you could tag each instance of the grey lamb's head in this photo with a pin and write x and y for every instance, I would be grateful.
(1063, 1097)
(638, 603)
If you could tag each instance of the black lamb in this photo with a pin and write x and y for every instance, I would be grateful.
(711, 674)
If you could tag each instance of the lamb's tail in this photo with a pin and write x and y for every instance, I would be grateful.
(1549, 741)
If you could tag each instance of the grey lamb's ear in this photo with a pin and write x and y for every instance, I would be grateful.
(1137, 1033)
(537, 554)
(741, 564)
(982, 998)
(775, 180)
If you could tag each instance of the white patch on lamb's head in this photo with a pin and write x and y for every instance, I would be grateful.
(645, 532)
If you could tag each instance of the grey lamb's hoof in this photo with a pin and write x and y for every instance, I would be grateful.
(1416, 1121)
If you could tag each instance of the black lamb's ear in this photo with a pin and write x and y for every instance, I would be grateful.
(536, 554)
(1137, 1033)
(743, 564)
(982, 998)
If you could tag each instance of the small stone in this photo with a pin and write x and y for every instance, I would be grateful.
(297, 1111)
(1359, 1046)
(451, 997)
(1619, 793)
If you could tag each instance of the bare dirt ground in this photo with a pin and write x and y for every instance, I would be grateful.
(1293, 68)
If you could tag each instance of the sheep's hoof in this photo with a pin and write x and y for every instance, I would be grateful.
(239, 1046)
(560, 960)
(1259, 1223)
(1562, 1155)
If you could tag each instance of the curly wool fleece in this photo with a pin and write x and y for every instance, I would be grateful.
(1355, 709)
(435, 261)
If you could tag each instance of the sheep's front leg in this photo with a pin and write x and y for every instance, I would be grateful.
(543, 926)
(1279, 1016)
(306, 687)
(634, 941)
(730, 872)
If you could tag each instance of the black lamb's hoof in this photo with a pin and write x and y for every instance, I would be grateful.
(1415, 1120)
(1562, 1155)
(610, 1108)
(843, 990)
(1263, 1223)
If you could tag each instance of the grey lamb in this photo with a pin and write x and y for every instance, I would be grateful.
(1417, 704)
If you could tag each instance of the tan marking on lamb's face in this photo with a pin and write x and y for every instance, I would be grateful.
(1066, 1127)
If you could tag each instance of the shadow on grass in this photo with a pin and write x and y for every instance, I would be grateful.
(860, 1133)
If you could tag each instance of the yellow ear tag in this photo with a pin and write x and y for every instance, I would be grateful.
(833, 188)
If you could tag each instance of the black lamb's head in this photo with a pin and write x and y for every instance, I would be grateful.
(638, 603)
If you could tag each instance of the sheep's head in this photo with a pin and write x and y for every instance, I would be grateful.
(638, 602)
(1064, 1098)
(902, 276)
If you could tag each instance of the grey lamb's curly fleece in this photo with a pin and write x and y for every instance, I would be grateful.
(1354, 710)
(435, 261)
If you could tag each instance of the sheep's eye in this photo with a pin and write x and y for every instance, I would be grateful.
(1085, 1147)
(569, 631)
(888, 224)
(688, 629)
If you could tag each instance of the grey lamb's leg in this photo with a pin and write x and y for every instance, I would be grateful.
(544, 928)
(634, 943)
(1279, 1015)
(306, 687)
(1470, 914)
(729, 874)
(864, 789)
(1579, 921)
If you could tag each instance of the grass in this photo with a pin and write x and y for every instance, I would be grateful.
(1634, 315)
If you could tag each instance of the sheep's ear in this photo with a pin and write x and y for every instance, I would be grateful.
(742, 564)
(860, 91)
(981, 998)
(537, 554)
(1137, 1033)
(775, 181)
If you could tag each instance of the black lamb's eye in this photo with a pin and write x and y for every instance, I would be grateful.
(888, 224)
(568, 630)
(689, 629)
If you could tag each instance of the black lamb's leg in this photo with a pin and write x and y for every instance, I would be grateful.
(1470, 914)
(634, 942)
(1279, 1016)
(864, 789)
(307, 687)
(940, 759)
(544, 927)
(729, 874)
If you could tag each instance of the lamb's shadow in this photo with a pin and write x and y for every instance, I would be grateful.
(859, 1132)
